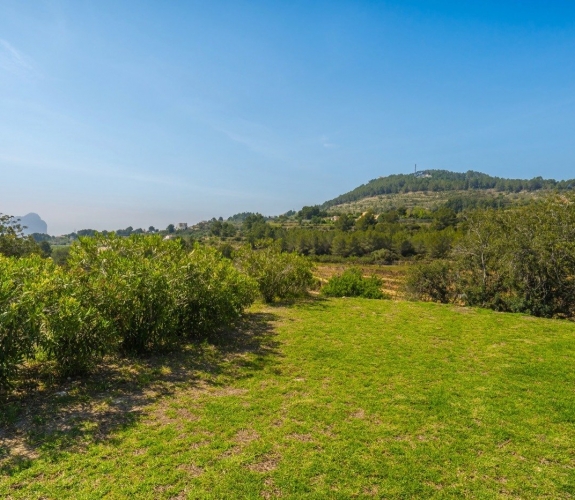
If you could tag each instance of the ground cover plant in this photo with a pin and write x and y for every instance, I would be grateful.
(332, 398)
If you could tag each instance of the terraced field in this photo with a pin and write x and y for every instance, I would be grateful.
(428, 200)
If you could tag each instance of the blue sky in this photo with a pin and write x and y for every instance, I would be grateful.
(149, 113)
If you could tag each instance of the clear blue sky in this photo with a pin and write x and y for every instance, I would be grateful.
(117, 113)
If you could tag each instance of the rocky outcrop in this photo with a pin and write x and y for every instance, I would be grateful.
(32, 223)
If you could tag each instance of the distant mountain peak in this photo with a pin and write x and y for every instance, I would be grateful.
(32, 223)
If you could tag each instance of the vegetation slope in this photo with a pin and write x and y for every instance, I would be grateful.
(446, 181)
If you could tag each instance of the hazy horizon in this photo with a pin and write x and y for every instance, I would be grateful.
(148, 114)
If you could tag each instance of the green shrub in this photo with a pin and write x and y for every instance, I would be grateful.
(210, 291)
(130, 281)
(60, 255)
(352, 283)
(430, 281)
(278, 274)
(74, 332)
(155, 292)
(135, 294)
(20, 311)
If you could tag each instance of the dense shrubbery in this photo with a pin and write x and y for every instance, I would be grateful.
(352, 283)
(19, 310)
(135, 294)
(430, 281)
(278, 274)
(521, 259)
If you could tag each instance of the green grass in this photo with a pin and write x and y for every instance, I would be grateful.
(342, 398)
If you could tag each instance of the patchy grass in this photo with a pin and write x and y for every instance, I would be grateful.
(330, 398)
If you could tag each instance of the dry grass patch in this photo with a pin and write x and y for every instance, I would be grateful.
(266, 463)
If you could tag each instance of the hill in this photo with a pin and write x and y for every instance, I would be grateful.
(32, 223)
(443, 183)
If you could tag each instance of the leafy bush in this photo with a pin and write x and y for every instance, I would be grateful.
(74, 333)
(278, 274)
(130, 281)
(430, 281)
(155, 292)
(134, 294)
(352, 283)
(20, 311)
(210, 292)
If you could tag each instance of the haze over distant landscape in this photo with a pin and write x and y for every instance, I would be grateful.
(145, 113)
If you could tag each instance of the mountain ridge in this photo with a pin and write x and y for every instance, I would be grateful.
(445, 180)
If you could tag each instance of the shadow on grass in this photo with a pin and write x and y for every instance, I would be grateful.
(53, 416)
(315, 301)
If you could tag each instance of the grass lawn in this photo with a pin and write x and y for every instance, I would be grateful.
(339, 398)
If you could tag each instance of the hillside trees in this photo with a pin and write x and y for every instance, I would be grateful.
(309, 213)
(345, 222)
(255, 227)
(366, 221)
(444, 180)
(223, 229)
(521, 259)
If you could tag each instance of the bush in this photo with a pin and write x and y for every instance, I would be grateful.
(130, 281)
(430, 281)
(135, 294)
(351, 283)
(74, 333)
(20, 311)
(210, 291)
(155, 292)
(278, 275)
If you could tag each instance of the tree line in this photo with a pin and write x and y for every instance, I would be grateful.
(444, 180)
(521, 259)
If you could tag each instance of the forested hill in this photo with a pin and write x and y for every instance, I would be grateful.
(444, 180)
